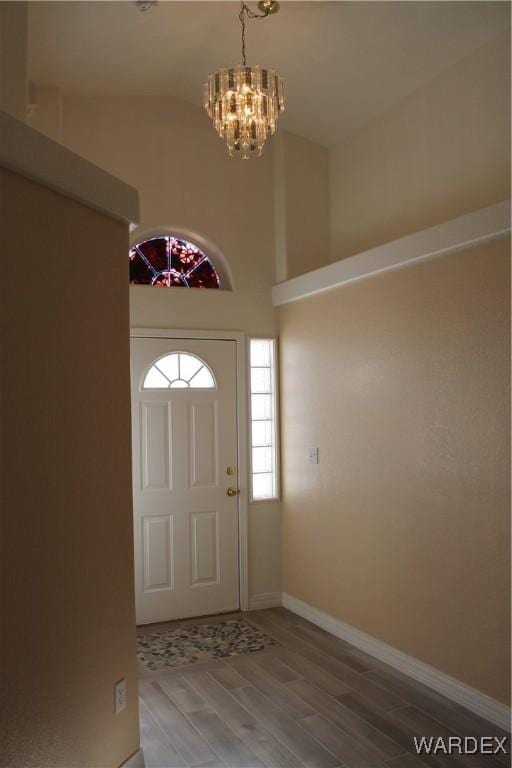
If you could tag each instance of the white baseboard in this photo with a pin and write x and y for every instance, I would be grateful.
(264, 600)
(135, 761)
(453, 689)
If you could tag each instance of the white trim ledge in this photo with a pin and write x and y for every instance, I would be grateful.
(36, 157)
(454, 235)
(453, 689)
(264, 600)
(135, 761)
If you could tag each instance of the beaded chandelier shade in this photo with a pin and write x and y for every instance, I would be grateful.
(244, 102)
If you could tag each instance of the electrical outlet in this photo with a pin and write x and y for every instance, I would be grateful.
(119, 696)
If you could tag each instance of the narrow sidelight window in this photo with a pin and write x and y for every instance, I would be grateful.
(263, 419)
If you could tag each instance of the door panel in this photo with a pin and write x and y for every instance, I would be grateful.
(184, 439)
(203, 444)
(204, 543)
(157, 552)
(156, 446)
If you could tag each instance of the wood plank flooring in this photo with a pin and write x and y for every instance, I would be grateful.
(312, 701)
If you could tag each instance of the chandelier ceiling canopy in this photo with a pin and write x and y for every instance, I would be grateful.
(244, 102)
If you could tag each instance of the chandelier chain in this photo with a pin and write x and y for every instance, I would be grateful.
(246, 11)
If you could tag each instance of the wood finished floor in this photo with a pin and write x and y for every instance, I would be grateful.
(312, 701)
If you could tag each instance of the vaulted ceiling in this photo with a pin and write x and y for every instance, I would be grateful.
(343, 62)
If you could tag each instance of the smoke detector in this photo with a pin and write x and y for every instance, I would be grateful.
(145, 5)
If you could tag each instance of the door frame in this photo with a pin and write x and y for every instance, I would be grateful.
(242, 438)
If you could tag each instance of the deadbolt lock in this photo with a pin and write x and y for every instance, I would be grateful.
(230, 471)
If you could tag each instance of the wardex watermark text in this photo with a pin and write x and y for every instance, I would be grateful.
(461, 745)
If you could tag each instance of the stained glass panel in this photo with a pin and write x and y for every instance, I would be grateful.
(171, 262)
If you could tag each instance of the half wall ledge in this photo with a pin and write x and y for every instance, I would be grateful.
(462, 232)
(29, 153)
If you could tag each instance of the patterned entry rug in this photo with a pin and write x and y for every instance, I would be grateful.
(200, 642)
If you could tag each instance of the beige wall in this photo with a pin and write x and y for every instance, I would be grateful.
(402, 530)
(301, 178)
(45, 115)
(13, 58)
(169, 151)
(68, 620)
(442, 152)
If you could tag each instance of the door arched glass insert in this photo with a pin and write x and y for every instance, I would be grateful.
(170, 262)
(179, 370)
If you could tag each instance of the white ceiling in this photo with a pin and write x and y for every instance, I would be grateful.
(343, 62)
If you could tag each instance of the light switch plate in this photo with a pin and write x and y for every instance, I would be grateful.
(313, 455)
(119, 696)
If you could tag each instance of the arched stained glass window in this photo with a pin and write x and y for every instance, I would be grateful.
(170, 261)
(179, 370)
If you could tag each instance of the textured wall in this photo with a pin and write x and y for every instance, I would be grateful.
(168, 150)
(13, 58)
(46, 115)
(402, 530)
(442, 152)
(301, 179)
(68, 619)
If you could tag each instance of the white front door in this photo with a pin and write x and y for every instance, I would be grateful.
(184, 436)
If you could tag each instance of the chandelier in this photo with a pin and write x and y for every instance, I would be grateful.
(244, 102)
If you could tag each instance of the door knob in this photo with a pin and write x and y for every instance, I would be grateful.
(232, 491)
